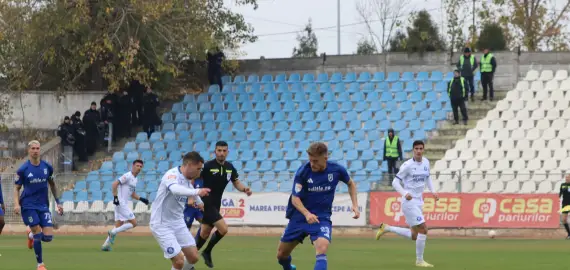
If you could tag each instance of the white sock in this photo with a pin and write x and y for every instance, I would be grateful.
(405, 232)
(31, 236)
(123, 228)
(420, 246)
(106, 241)
(174, 268)
(187, 265)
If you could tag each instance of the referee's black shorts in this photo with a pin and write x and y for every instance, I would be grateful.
(211, 215)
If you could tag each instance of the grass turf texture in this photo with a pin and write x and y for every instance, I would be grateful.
(257, 253)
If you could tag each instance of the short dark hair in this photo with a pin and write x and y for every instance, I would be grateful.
(138, 161)
(418, 142)
(318, 149)
(222, 144)
(192, 157)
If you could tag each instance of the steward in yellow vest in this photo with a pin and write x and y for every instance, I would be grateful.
(488, 67)
(392, 151)
(457, 96)
(467, 65)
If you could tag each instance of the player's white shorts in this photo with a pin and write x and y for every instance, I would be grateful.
(413, 212)
(123, 213)
(172, 238)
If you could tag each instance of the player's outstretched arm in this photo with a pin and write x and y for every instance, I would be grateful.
(354, 198)
(53, 189)
(16, 196)
(139, 198)
(241, 187)
(180, 190)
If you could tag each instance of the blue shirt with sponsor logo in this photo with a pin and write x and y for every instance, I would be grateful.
(34, 179)
(316, 190)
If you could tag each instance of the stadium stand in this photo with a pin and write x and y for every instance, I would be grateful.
(519, 144)
(270, 121)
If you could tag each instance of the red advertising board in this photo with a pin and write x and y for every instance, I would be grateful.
(472, 210)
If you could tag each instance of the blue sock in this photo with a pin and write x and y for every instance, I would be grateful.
(321, 263)
(286, 263)
(38, 247)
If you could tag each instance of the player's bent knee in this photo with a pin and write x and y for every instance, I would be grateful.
(47, 238)
(133, 222)
(178, 261)
(284, 250)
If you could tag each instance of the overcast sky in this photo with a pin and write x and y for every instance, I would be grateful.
(275, 18)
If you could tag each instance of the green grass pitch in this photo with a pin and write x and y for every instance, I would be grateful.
(257, 253)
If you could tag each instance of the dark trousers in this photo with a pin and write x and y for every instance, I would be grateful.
(459, 103)
(487, 82)
(392, 168)
(470, 84)
(215, 77)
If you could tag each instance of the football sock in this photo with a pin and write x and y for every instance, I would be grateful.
(174, 268)
(122, 228)
(38, 247)
(321, 262)
(286, 263)
(405, 232)
(47, 238)
(199, 240)
(567, 228)
(215, 239)
(31, 235)
(420, 246)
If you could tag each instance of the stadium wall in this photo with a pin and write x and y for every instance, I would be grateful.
(43, 109)
(511, 66)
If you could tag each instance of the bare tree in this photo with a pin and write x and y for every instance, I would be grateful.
(388, 13)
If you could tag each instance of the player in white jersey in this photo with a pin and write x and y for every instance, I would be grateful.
(415, 174)
(124, 188)
(167, 212)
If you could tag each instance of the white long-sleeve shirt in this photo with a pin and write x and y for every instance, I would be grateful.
(415, 176)
(171, 198)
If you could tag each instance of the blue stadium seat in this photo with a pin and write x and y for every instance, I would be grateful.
(411, 87)
(407, 76)
(96, 195)
(177, 107)
(348, 145)
(393, 77)
(400, 97)
(280, 166)
(364, 77)
(255, 186)
(448, 76)
(400, 125)
(150, 165)
(163, 165)
(337, 155)
(356, 165)
(191, 107)
(141, 137)
(81, 196)
(267, 78)
(436, 76)
(322, 78)
(172, 145)
(161, 155)
(80, 185)
(429, 125)
(265, 166)
(151, 187)
(107, 166)
(363, 145)
(121, 166)
(67, 196)
(336, 77)
(422, 76)
(270, 187)
(378, 77)
(308, 78)
(253, 78)
(426, 87)
(367, 154)
(349, 77)
(294, 78)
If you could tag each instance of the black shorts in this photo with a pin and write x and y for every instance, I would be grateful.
(211, 215)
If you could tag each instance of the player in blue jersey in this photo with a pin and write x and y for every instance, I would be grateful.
(2, 208)
(193, 211)
(310, 206)
(35, 175)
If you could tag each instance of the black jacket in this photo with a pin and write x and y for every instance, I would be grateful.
(456, 89)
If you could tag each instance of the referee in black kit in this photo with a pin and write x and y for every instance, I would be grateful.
(565, 202)
(217, 173)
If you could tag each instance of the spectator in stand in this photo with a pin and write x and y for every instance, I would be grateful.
(136, 91)
(215, 60)
(107, 116)
(66, 132)
(457, 96)
(150, 116)
(91, 121)
(79, 146)
(392, 152)
(488, 67)
(124, 110)
(467, 65)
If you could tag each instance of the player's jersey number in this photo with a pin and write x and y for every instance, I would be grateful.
(326, 231)
(47, 217)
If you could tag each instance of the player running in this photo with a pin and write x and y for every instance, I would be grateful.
(35, 175)
(2, 208)
(193, 210)
(309, 208)
(564, 196)
(123, 189)
(167, 212)
(216, 175)
(415, 173)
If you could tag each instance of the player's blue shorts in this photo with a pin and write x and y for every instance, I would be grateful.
(34, 217)
(1, 212)
(298, 230)
(190, 214)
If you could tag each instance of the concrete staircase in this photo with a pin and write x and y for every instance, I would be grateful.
(448, 134)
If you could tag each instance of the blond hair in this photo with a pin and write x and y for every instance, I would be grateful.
(318, 149)
(32, 142)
